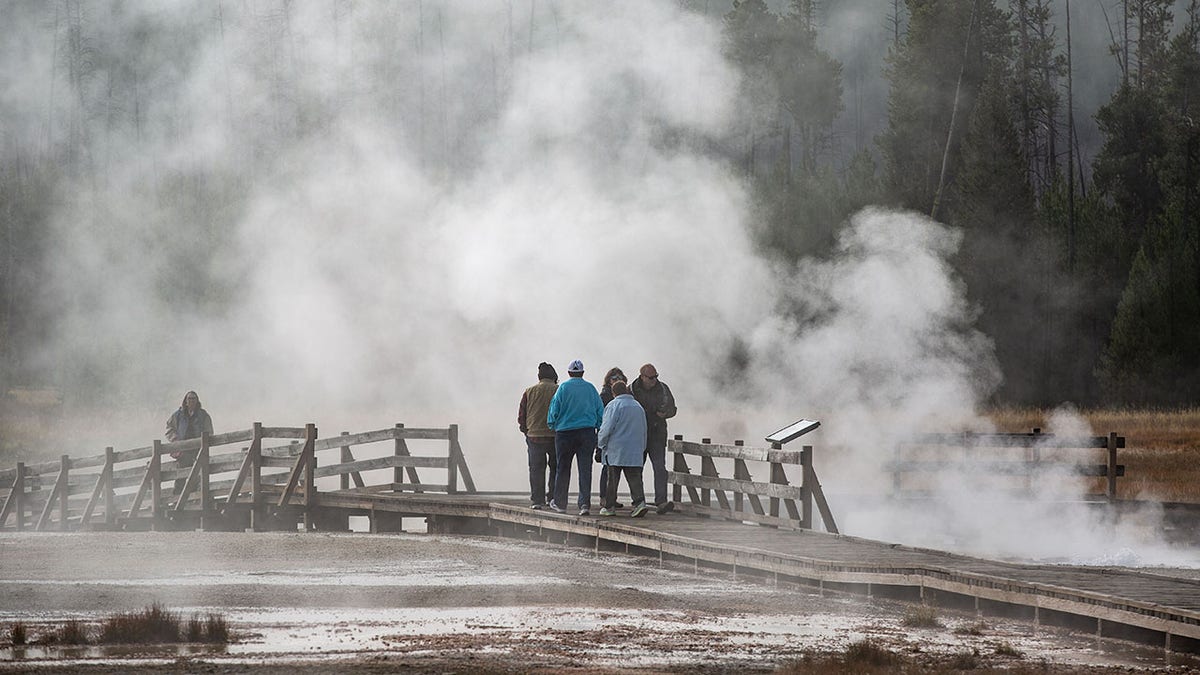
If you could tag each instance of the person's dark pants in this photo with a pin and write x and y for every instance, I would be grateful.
(602, 484)
(656, 452)
(185, 461)
(541, 455)
(578, 445)
(633, 478)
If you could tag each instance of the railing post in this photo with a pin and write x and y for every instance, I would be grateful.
(738, 497)
(64, 493)
(155, 473)
(808, 479)
(1112, 466)
(400, 449)
(310, 476)
(19, 493)
(452, 461)
(679, 465)
(206, 501)
(776, 477)
(257, 503)
(110, 506)
(346, 456)
(705, 462)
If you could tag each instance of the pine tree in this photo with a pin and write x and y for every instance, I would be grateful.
(947, 48)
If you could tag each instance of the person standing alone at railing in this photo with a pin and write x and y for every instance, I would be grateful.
(188, 422)
(539, 438)
(575, 416)
(656, 398)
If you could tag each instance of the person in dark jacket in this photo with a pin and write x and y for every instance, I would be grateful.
(539, 438)
(659, 404)
(188, 422)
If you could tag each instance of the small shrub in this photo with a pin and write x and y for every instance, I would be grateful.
(1006, 649)
(976, 628)
(150, 625)
(195, 629)
(216, 629)
(73, 632)
(921, 617)
(867, 653)
(965, 660)
(16, 633)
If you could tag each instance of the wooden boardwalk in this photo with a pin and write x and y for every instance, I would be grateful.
(725, 520)
(1108, 602)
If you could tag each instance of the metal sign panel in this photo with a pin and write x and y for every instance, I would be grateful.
(793, 431)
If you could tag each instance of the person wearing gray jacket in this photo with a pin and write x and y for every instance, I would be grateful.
(622, 443)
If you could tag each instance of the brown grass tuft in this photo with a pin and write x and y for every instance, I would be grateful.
(16, 633)
(868, 653)
(921, 617)
(153, 624)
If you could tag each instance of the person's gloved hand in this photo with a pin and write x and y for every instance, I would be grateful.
(598, 460)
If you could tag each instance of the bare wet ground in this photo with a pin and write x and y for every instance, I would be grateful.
(328, 603)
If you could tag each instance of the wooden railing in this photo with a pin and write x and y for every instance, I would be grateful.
(979, 453)
(744, 501)
(259, 486)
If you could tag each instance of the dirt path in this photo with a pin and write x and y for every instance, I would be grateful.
(328, 603)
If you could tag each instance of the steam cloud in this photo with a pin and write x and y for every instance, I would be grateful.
(456, 200)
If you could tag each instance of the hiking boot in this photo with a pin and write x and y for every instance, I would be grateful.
(556, 508)
(639, 511)
(585, 511)
(665, 507)
(607, 512)
(538, 507)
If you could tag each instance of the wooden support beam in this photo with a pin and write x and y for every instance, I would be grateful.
(1111, 491)
(741, 473)
(59, 489)
(247, 464)
(348, 456)
(451, 465)
(401, 450)
(154, 472)
(457, 459)
(709, 468)
(103, 485)
(16, 499)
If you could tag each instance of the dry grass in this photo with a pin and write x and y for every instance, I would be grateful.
(1161, 454)
(921, 617)
(155, 624)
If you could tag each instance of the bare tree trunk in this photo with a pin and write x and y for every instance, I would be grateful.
(1070, 150)
(937, 196)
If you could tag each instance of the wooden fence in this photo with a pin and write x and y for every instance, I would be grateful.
(981, 454)
(746, 503)
(259, 486)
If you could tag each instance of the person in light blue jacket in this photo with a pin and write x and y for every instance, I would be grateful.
(622, 442)
(575, 415)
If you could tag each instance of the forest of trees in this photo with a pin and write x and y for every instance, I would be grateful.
(1086, 275)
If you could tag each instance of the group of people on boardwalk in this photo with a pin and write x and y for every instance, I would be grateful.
(620, 427)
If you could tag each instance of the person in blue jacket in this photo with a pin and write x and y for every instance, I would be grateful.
(622, 442)
(575, 415)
